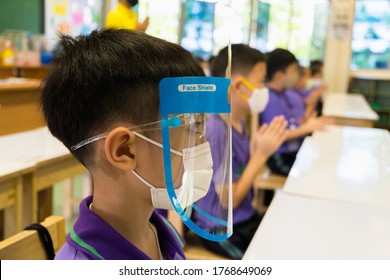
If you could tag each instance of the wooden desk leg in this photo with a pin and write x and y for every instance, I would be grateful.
(45, 204)
(11, 202)
(28, 213)
(13, 214)
(2, 224)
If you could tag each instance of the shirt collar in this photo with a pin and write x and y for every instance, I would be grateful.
(93, 236)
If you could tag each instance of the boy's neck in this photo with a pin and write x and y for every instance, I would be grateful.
(238, 114)
(124, 211)
(276, 86)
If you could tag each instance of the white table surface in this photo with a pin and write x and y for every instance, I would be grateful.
(11, 167)
(302, 228)
(382, 75)
(344, 164)
(352, 106)
(31, 146)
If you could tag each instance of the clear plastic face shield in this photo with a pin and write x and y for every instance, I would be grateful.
(196, 157)
(197, 153)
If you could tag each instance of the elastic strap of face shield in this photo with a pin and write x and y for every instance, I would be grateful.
(156, 143)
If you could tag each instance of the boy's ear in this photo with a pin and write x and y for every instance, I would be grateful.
(235, 83)
(120, 149)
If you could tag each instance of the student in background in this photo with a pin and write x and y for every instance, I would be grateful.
(316, 82)
(248, 94)
(211, 61)
(316, 70)
(204, 64)
(124, 17)
(309, 95)
(99, 88)
(282, 74)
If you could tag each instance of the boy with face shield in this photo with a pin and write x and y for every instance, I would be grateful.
(282, 74)
(247, 94)
(102, 101)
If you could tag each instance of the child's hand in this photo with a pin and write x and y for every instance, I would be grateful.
(316, 94)
(142, 26)
(269, 137)
(322, 89)
(318, 123)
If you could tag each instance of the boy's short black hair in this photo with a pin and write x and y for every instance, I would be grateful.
(279, 60)
(316, 67)
(106, 77)
(244, 58)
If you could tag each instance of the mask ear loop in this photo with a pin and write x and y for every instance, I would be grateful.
(248, 85)
(156, 143)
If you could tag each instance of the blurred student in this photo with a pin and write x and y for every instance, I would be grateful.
(248, 94)
(204, 64)
(99, 93)
(316, 82)
(316, 71)
(282, 75)
(124, 17)
(304, 89)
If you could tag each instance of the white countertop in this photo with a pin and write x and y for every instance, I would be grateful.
(344, 164)
(304, 228)
(11, 167)
(31, 146)
(352, 106)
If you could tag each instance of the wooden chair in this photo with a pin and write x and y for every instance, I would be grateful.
(267, 180)
(27, 245)
(194, 249)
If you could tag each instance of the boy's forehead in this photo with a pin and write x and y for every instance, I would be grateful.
(292, 67)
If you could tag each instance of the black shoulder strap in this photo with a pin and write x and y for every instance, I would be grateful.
(45, 238)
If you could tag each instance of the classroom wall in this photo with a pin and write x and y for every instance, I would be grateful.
(338, 48)
(21, 14)
(27, 15)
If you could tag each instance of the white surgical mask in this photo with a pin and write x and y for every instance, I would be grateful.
(259, 100)
(198, 172)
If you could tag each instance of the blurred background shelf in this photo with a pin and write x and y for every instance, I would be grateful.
(375, 87)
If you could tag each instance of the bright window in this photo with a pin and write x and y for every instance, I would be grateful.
(371, 35)
(164, 18)
(299, 26)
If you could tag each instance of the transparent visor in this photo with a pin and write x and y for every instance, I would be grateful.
(199, 180)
